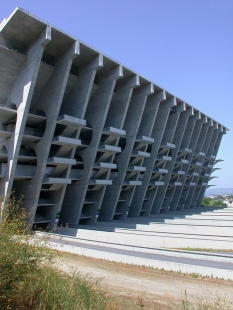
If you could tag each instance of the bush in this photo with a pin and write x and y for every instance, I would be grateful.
(213, 202)
(28, 277)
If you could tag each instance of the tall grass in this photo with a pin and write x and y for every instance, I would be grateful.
(28, 278)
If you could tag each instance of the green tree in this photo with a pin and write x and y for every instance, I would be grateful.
(206, 202)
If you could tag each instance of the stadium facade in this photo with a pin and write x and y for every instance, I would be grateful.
(83, 137)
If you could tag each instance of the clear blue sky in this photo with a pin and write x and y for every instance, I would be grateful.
(185, 46)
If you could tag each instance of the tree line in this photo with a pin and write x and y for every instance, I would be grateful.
(217, 201)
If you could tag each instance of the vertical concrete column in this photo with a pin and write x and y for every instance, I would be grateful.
(209, 136)
(21, 96)
(95, 115)
(188, 132)
(215, 141)
(214, 146)
(131, 125)
(121, 100)
(178, 136)
(202, 137)
(146, 201)
(199, 179)
(150, 113)
(116, 113)
(146, 128)
(211, 152)
(116, 118)
(141, 150)
(75, 105)
(168, 138)
(76, 102)
(202, 141)
(192, 145)
(50, 102)
(197, 148)
(218, 141)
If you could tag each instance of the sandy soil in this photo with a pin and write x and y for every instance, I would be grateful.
(141, 288)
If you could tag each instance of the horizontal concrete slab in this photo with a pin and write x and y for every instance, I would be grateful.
(61, 161)
(114, 132)
(167, 241)
(189, 229)
(201, 222)
(149, 260)
(71, 121)
(213, 257)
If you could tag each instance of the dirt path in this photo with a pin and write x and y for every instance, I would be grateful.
(141, 288)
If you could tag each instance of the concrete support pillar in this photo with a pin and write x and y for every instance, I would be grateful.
(173, 174)
(121, 100)
(131, 125)
(111, 136)
(218, 141)
(213, 150)
(95, 115)
(215, 141)
(192, 146)
(201, 159)
(144, 192)
(184, 153)
(114, 125)
(211, 153)
(168, 137)
(21, 96)
(192, 167)
(198, 157)
(50, 102)
(115, 119)
(75, 105)
(146, 128)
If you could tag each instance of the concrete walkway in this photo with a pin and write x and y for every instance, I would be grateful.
(152, 242)
(202, 263)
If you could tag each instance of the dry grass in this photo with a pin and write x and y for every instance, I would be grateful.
(28, 279)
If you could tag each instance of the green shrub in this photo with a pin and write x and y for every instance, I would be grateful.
(213, 202)
(28, 277)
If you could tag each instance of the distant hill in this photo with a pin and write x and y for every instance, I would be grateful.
(218, 191)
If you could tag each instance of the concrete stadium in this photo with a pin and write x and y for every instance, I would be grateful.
(85, 139)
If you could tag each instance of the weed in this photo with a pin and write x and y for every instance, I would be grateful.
(141, 302)
(28, 277)
(185, 303)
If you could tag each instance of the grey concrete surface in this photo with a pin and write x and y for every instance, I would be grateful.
(209, 265)
(152, 234)
(155, 244)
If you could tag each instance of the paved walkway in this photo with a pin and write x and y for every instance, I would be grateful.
(168, 258)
